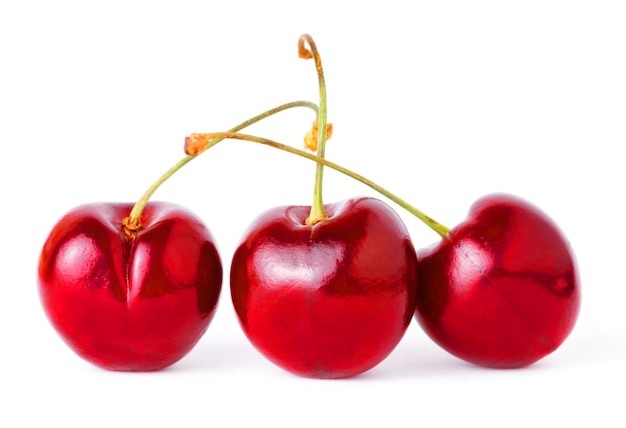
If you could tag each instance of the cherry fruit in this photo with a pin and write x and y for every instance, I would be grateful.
(325, 291)
(329, 300)
(136, 302)
(501, 289)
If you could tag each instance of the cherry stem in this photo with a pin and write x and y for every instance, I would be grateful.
(198, 143)
(317, 213)
(132, 223)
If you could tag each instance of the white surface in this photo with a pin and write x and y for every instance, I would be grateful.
(441, 102)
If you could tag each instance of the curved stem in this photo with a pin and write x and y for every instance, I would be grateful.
(132, 223)
(198, 143)
(317, 213)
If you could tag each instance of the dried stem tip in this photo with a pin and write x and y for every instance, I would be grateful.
(303, 51)
(310, 139)
(196, 144)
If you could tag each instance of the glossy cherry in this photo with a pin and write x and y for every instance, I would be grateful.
(330, 300)
(501, 289)
(135, 303)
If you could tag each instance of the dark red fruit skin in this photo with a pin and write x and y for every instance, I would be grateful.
(501, 289)
(137, 304)
(330, 300)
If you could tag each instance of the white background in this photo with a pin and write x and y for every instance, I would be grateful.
(440, 102)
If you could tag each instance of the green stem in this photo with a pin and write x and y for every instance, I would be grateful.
(132, 223)
(219, 136)
(317, 213)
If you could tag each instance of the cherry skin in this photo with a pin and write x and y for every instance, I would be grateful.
(330, 300)
(130, 303)
(501, 289)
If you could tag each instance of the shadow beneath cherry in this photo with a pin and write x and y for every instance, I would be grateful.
(585, 348)
(211, 355)
(416, 357)
(239, 355)
(408, 363)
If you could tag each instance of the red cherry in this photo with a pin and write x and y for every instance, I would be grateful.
(502, 288)
(130, 303)
(330, 300)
